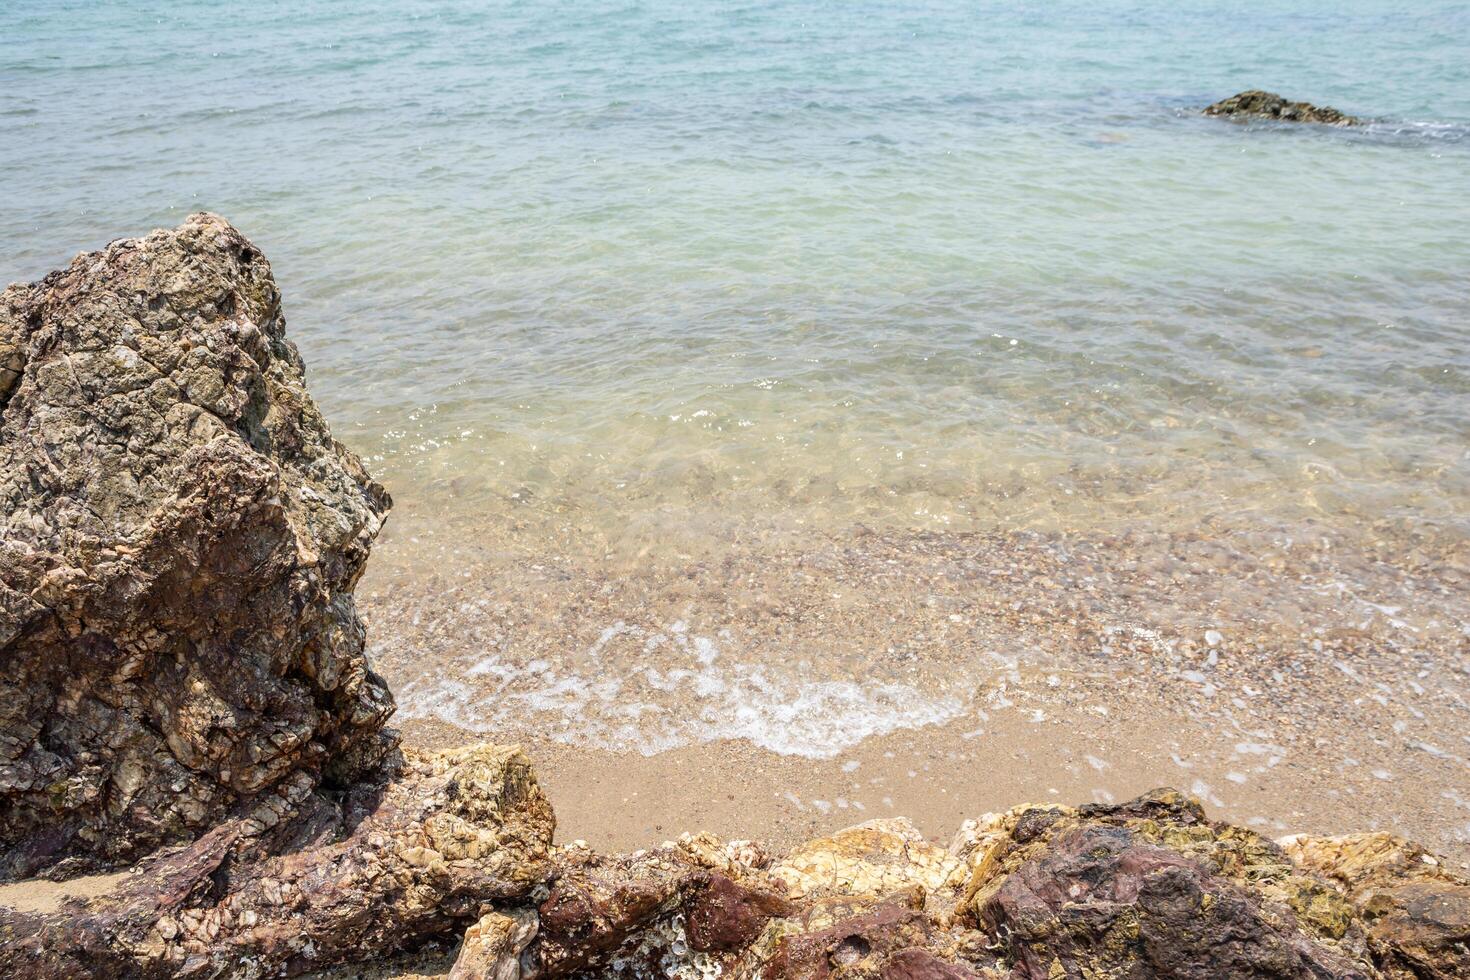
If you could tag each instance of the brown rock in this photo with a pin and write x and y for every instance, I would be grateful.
(863, 945)
(1416, 910)
(179, 539)
(1101, 901)
(597, 904)
(1269, 105)
(918, 964)
(722, 916)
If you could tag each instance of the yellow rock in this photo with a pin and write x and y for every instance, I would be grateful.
(421, 857)
(877, 858)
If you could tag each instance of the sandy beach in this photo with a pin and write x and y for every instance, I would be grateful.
(1305, 683)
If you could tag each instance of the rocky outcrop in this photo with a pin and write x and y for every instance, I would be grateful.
(1268, 105)
(1150, 888)
(462, 841)
(179, 539)
(394, 864)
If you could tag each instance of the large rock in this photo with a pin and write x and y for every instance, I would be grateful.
(179, 539)
(1268, 105)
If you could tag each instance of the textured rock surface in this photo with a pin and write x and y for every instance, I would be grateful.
(179, 540)
(461, 840)
(493, 948)
(1149, 888)
(1269, 105)
(1416, 912)
(431, 851)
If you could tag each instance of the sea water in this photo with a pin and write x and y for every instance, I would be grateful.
(637, 282)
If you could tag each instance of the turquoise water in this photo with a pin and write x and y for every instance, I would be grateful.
(929, 264)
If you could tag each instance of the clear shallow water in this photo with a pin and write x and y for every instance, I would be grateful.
(636, 279)
(926, 262)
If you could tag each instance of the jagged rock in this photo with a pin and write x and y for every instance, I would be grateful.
(438, 847)
(633, 911)
(179, 539)
(1148, 888)
(1102, 901)
(1269, 105)
(493, 947)
(596, 903)
(724, 915)
(1416, 911)
(1152, 886)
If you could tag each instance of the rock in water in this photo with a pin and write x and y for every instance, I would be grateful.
(179, 539)
(1269, 105)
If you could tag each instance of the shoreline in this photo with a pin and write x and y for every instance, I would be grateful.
(1309, 685)
(937, 777)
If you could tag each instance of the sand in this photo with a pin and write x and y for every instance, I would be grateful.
(47, 896)
(1296, 682)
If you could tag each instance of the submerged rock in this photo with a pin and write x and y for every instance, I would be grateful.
(1269, 105)
(179, 539)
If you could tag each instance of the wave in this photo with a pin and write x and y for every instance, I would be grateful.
(642, 705)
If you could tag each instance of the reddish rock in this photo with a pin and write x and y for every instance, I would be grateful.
(919, 964)
(723, 916)
(857, 946)
(1100, 901)
(597, 904)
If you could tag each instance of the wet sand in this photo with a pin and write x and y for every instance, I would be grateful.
(1296, 682)
(940, 776)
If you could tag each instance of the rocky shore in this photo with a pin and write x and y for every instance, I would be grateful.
(196, 781)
